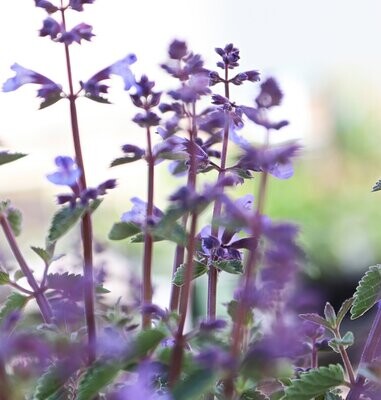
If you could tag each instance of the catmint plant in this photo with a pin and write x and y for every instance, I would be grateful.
(82, 345)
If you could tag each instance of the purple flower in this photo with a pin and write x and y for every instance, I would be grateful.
(50, 28)
(197, 86)
(67, 174)
(94, 88)
(147, 119)
(177, 50)
(274, 160)
(138, 214)
(23, 76)
(212, 325)
(270, 94)
(229, 55)
(260, 117)
(47, 5)
(79, 32)
(77, 5)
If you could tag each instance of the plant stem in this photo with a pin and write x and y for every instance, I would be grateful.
(345, 358)
(370, 349)
(148, 239)
(87, 233)
(42, 301)
(178, 349)
(191, 182)
(5, 387)
(213, 272)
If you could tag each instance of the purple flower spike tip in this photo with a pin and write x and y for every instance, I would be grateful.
(67, 174)
(77, 5)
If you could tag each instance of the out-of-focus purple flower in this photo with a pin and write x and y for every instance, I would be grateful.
(215, 357)
(154, 311)
(177, 50)
(23, 76)
(275, 160)
(196, 87)
(270, 94)
(138, 214)
(94, 88)
(145, 97)
(46, 5)
(79, 32)
(50, 27)
(229, 55)
(312, 331)
(252, 76)
(77, 5)
(106, 185)
(212, 325)
(146, 120)
(143, 387)
(260, 117)
(67, 174)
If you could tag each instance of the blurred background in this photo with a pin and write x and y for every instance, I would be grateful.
(327, 58)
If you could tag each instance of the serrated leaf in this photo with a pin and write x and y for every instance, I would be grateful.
(316, 319)
(54, 378)
(6, 157)
(98, 99)
(42, 253)
(50, 100)
(330, 314)
(63, 221)
(230, 266)
(14, 217)
(96, 377)
(368, 292)
(315, 382)
(139, 238)
(346, 341)
(253, 394)
(199, 269)
(18, 275)
(345, 307)
(194, 385)
(332, 396)
(14, 302)
(123, 230)
(4, 278)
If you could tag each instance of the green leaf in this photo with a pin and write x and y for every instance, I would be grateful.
(330, 314)
(253, 394)
(54, 378)
(317, 319)
(6, 157)
(171, 231)
(367, 293)
(139, 238)
(145, 342)
(345, 307)
(50, 100)
(4, 278)
(63, 221)
(97, 376)
(14, 301)
(98, 99)
(233, 307)
(14, 217)
(230, 266)
(198, 270)
(332, 396)
(195, 385)
(43, 254)
(315, 382)
(18, 275)
(125, 160)
(123, 230)
(346, 341)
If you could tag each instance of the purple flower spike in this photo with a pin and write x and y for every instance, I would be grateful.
(77, 5)
(67, 174)
(177, 50)
(47, 5)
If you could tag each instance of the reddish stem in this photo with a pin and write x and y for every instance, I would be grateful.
(42, 301)
(148, 239)
(87, 233)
